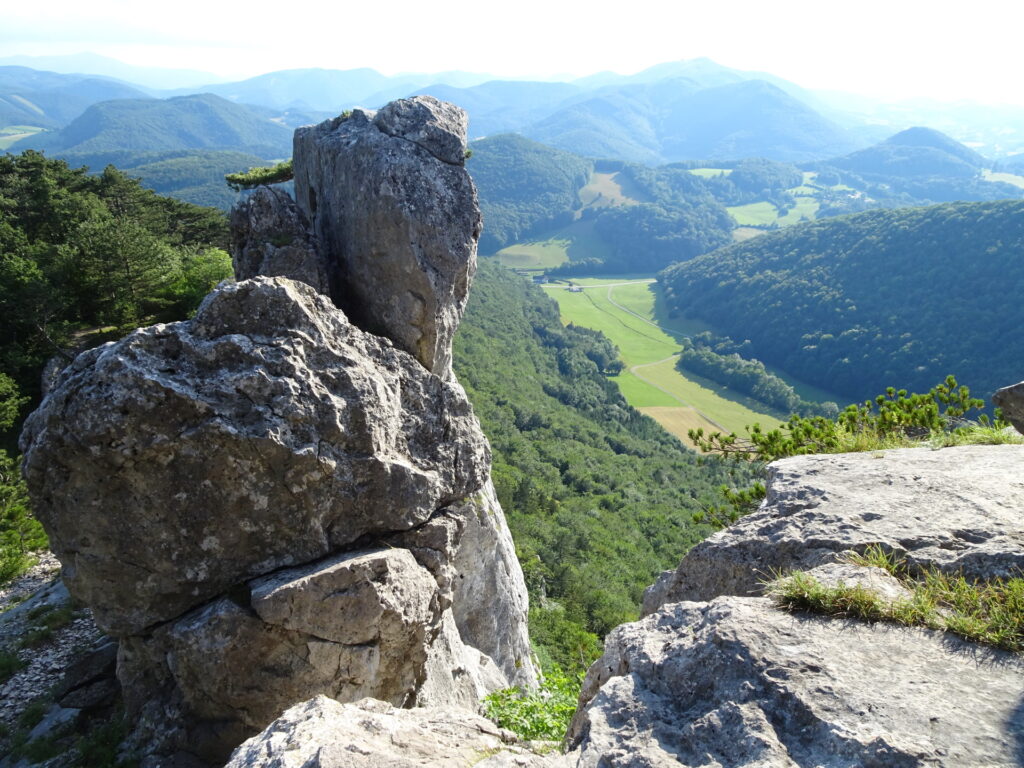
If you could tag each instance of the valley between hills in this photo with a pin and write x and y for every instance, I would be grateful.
(529, 368)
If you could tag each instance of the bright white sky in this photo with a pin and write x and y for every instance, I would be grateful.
(893, 48)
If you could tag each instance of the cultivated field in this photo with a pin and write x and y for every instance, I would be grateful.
(625, 311)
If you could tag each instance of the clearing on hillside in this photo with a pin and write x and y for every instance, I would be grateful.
(604, 190)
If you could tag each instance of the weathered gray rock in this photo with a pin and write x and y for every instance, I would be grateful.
(953, 509)
(1011, 400)
(355, 625)
(490, 602)
(396, 215)
(736, 682)
(271, 237)
(322, 733)
(265, 432)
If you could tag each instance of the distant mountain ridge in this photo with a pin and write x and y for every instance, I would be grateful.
(50, 100)
(152, 125)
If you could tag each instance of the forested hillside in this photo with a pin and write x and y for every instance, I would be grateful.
(204, 121)
(882, 298)
(524, 187)
(599, 498)
(82, 256)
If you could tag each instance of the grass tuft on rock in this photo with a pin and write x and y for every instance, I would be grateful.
(988, 611)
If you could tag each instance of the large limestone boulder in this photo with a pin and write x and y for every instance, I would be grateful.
(271, 237)
(955, 509)
(736, 682)
(322, 733)
(265, 432)
(354, 625)
(396, 215)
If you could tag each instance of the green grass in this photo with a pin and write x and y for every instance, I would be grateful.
(806, 208)
(710, 173)
(574, 242)
(658, 383)
(9, 664)
(536, 254)
(647, 300)
(761, 214)
(603, 190)
(989, 611)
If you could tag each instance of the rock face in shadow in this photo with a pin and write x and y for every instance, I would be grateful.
(396, 214)
(1011, 401)
(953, 509)
(271, 237)
(269, 501)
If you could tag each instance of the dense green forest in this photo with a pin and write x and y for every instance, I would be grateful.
(599, 498)
(524, 187)
(870, 300)
(83, 257)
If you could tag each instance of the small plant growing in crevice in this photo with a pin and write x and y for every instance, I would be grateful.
(543, 714)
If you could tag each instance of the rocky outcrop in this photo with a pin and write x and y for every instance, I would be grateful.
(1011, 401)
(322, 733)
(953, 509)
(270, 502)
(715, 676)
(737, 682)
(271, 237)
(396, 214)
(265, 432)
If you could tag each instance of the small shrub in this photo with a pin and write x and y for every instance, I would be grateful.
(542, 714)
(892, 420)
(9, 664)
(254, 177)
(33, 714)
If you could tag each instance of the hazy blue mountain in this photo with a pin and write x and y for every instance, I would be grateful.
(672, 120)
(50, 100)
(503, 105)
(332, 90)
(915, 152)
(153, 125)
(94, 64)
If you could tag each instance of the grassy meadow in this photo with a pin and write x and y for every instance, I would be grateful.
(626, 311)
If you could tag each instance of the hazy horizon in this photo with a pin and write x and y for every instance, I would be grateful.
(884, 50)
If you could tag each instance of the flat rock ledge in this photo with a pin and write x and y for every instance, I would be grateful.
(955, 509)
(736, 682)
